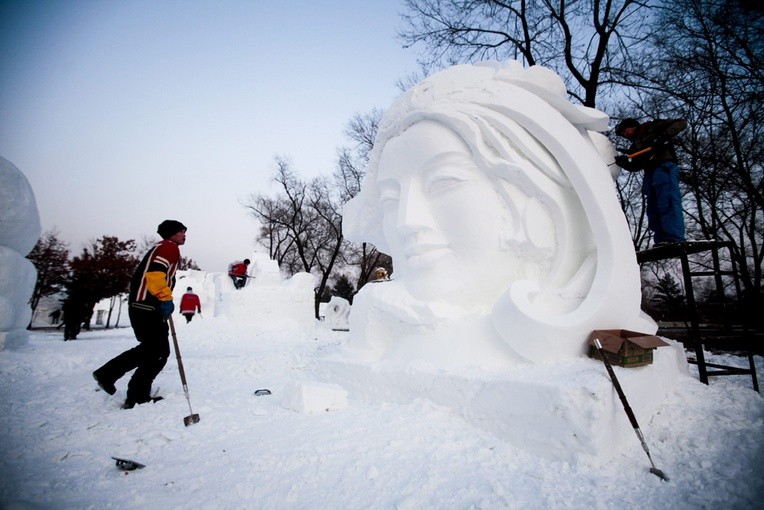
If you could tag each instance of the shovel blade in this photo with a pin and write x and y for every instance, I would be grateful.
(191, 419)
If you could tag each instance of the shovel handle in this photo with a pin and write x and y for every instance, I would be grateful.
(177, 351)
(617, 386)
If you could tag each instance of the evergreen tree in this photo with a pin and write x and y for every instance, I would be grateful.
(668, 296)
(344, 288)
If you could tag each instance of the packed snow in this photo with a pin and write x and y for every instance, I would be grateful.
(306, 445)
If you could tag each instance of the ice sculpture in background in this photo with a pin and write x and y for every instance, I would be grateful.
(19, 231)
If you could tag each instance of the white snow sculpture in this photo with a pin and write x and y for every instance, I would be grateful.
(492, 193)
(337, 312)
(19, 232)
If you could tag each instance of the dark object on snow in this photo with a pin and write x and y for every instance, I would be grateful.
(191, 418)
(260, 393)
(127, 464)
(75, 311)
(626, 407)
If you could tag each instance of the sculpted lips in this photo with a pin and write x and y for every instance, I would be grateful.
(420, 254)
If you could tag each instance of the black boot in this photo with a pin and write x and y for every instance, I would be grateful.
(106, 386)
(129, 404)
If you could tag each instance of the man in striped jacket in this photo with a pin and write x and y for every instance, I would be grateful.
(150, 304)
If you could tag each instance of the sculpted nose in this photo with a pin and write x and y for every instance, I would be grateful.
(413, 212)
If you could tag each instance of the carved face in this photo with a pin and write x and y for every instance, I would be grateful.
(443, 219)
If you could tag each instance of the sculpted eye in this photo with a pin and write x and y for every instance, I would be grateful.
(444, 182)
(388, 201)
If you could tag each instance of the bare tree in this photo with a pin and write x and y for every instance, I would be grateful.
(353, 160)
(633, 204)
(302, 225)
(352, 164)
(710, 71)
(587, 42)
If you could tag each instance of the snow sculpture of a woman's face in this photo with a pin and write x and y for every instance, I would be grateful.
(447, 227)
(490, 191)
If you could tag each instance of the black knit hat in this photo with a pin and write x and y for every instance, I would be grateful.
(169, 228)
(625, 124)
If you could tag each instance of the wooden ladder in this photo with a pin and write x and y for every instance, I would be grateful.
(697, 335)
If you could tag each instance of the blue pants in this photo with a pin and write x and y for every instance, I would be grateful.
(664, 203)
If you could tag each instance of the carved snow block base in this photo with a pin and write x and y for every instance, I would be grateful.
(566, 411)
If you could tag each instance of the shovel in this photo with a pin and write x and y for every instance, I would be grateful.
(191, 418)
(626, 407)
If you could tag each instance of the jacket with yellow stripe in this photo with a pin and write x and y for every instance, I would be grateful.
(154, 278)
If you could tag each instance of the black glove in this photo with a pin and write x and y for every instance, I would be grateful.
(166, 308)
(622, 161)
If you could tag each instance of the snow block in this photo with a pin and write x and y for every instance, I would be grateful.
(287, 303)
(316, 397)
(337, 311)
(264, 270)
(567, 411)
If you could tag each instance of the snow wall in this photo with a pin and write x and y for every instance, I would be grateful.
(267, 301)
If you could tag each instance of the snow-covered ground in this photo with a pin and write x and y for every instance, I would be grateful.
(58, 435)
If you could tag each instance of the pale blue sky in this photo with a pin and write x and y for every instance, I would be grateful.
(125, 113)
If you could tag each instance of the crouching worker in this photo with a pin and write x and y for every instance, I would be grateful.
(238, 273)
(189, 304)
(150, 304)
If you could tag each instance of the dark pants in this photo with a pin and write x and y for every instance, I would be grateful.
(148, 357)
(238, 281)
(664, 203)
(71, 329)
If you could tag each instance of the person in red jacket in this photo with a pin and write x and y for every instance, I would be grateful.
(189, 305)
(150, 304)
(238, 272)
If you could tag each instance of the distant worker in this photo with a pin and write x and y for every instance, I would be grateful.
(150, 303)
(189, 305)
(238, 273)
(55, 315)
(380, 275)
(75, 312)
(652, 151)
